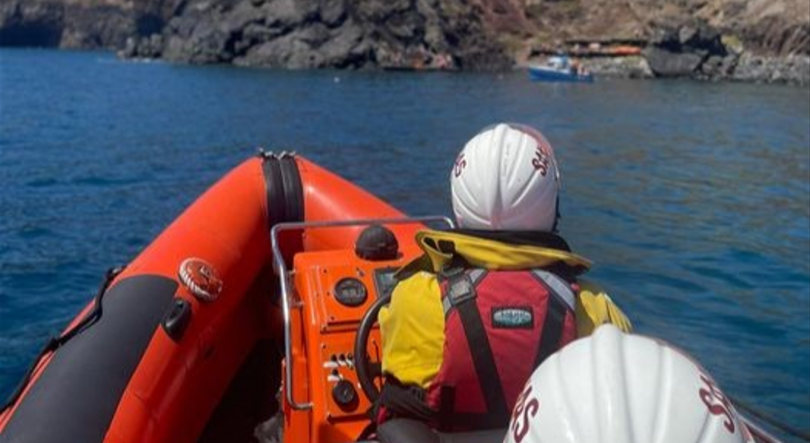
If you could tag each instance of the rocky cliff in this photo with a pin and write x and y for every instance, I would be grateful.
(441, 34)
(298, 34)
(766, 27)
(744, 39)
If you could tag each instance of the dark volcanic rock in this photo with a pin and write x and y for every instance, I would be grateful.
(691, 50)
(26, 24)
(144, 47)
(289, 13)
(98, 28)
(401, 34)
(717, 67)
(333, 12)
(666, 63)
(80, 24)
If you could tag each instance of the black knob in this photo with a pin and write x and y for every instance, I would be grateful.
(377, 242)
(345, 395)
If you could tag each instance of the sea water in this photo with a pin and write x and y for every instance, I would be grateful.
(693, 199)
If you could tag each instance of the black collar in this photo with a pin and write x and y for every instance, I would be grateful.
(529, 238)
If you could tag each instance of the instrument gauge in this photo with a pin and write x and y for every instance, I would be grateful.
(351, 292)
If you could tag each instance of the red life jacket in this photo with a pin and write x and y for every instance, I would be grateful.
(499, 326)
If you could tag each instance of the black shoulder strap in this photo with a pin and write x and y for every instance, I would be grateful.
(552, 330)
(462, 295)
(553, 325)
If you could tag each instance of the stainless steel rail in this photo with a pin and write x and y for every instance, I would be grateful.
(284, 277)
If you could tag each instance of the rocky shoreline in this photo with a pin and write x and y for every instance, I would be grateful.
(746, 68)
(701, 53)
(769, 45)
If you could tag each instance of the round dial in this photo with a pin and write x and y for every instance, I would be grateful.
(351, 292)
(345, 395)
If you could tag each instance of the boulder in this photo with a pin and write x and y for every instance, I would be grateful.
(714, 67)
(683, 51)
(665, 63)
(143, 47)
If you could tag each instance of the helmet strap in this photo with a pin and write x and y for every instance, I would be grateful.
(554, 229)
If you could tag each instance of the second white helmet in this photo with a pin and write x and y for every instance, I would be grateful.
(506, 178)
(621, 388)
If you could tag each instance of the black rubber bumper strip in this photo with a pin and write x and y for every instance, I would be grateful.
(293, 189)
(75, 398)
(285, 192)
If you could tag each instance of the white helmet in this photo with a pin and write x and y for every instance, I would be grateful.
(506, 178)
(620, 388)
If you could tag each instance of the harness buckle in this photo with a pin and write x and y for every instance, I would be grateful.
(460, 286)
(461, 289)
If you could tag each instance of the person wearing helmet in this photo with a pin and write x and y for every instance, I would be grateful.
(617, 387)
(471, 319)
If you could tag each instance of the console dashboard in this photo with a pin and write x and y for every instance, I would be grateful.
(335, 289)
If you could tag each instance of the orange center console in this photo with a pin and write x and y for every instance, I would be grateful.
(325, 297)
(335, 289)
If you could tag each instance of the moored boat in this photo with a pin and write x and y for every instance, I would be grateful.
(560, 69)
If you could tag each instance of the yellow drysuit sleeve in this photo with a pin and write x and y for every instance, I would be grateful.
(412, 329)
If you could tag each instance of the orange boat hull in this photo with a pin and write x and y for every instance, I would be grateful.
(170, 388)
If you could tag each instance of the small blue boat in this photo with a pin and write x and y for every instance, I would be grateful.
(560, 69)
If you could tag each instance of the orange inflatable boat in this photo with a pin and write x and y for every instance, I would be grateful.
(256, 304)
(194, 339)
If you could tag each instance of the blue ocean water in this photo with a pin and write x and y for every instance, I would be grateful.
(692, 198)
